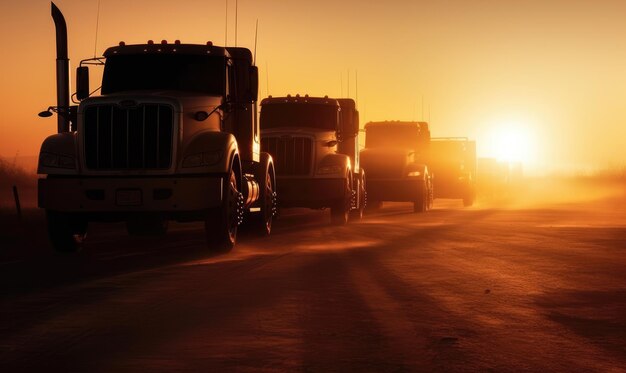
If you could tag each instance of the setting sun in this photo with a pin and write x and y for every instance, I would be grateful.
(513, 142)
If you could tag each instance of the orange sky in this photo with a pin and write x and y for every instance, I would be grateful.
(555, 71)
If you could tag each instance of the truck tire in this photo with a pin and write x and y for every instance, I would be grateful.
(221, 223)
(147, 226)
(468, 200)
(423, 199)
(340, 211)
(262, 221)
(67, 232)
(357, 214)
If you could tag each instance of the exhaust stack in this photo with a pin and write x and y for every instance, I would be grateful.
(63, 71)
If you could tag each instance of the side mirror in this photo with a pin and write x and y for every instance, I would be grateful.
(82, 82)
(254, 83)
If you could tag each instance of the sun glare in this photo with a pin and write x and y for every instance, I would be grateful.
(513, 143)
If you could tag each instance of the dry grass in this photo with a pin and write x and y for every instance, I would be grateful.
(11, 174)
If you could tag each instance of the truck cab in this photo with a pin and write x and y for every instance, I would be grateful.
(172, 136)
(395, 157)
(314, 144)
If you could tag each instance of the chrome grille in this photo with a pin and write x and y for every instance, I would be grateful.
(292, 155)
(122, 138)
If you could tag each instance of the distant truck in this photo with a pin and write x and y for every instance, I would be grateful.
(395, 157)
(173, 136)
(314, 143)
(452, 161)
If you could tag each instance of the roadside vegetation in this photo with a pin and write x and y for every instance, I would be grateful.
(12, 174)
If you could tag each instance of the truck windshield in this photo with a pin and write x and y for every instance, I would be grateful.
(299, 115)
(191, 73)
(390, 136)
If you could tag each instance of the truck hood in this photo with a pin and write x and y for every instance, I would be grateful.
(316, 133)
(386, 162)
(182, 101)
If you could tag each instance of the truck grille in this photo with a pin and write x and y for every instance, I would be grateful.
(122, 138)
(292, 155)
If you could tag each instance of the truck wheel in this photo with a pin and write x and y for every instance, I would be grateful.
(66, 231)
(147, 226)
(262, 220)
(468, 200)
(340, 211)
(221, 224)
(422, 202)
(357, 214)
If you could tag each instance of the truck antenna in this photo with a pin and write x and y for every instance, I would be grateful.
(267, 78)
(236, 19)
(422, 107)
(95, 44)
(226, 25)
(341, 84)
(356, 81)
(256, 39)
(348, 82)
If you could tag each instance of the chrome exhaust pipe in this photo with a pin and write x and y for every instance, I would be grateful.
(63, 71)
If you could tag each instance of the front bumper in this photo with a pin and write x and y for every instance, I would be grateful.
(119, 195)
(396, 190)
(310, 192)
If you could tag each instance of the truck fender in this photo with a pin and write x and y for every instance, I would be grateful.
(424, 173)
(337, 159)
(211, 142)
(57, 146)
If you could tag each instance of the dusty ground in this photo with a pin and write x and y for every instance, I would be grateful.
(523, 286)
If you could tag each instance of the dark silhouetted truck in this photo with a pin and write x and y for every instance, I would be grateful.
(452, 161)
(173, 136)
(395, 157)
(314, 143)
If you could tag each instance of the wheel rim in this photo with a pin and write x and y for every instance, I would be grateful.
(234, 210)
(270, 204)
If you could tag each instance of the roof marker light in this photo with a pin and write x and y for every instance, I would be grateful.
(163, 41)
(150, 42)
(122, 44)
(209, 43)
(177, 42)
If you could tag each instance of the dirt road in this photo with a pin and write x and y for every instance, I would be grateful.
(520, 289)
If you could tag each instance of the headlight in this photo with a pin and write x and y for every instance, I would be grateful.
(56, 160)
(414, 174)
(202, 159)
(328, 170)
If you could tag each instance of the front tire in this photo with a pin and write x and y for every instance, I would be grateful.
(340, 211)
(67, 232)
(221, 224)
(423, 201)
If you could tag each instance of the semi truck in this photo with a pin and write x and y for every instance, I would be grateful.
(173, 135)
(395, 157)
(452, 161)
(314, 143)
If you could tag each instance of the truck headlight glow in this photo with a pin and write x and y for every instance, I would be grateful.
(414, 174)
(330, 170)
(202, 159)
(54, 160)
